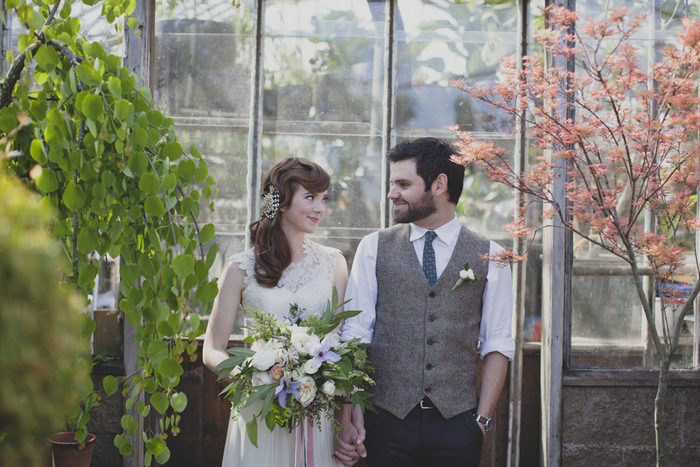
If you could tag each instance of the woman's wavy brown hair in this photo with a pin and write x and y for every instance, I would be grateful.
(272, 252)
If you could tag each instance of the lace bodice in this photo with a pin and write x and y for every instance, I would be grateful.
(308, 282)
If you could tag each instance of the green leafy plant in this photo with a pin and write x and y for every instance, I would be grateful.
(40, 345)
(92, 145)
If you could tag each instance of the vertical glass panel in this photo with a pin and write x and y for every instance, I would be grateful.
(203, 63)
(438, 41)
(322, 100)
(608, 327)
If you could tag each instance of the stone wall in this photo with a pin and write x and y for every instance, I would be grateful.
(614, 426)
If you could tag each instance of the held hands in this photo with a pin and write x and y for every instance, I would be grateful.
(349, 446)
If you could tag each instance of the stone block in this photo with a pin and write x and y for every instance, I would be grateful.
(576, 455)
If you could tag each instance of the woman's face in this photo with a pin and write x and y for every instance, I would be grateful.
(305, 211)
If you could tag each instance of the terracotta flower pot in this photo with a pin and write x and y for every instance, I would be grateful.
(66, 452)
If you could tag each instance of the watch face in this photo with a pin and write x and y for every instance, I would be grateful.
(489, 424)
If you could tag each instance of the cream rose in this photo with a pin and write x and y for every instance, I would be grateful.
(258, 345)
(334, 338)
(301, 340)
(261, 378)
(276, 373)
(310, 367)
(273, 345)
(329, 388)
(307, 390)
(263, 360)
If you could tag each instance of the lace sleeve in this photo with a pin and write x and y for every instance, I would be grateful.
(246, 261)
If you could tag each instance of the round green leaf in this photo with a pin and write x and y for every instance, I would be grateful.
(186, 169)
(87, 241)
(7, 122)
(170, 368)
(47, 181)
(169, 182)
(122, 109)
(87, 74)
(110, 384)
(87, 327)
(53, 134)
(154, 206)
(115, 86)
(164, 456)
(157, 351)
(201, 174)
(149, 183)
(138, 164)
(183, 265)
(206, 292)
(207, 233)
(86, 275)
(10, 4)
(178, 401)
(46, 58)
(37, 151)
(172, 151)
(74, 197)
(92, 106)
(138, 139)
(159, 401)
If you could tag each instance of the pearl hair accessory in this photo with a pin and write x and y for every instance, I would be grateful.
(270, 202)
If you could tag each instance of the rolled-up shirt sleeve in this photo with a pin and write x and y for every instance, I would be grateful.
(362, 291)
(496, 334)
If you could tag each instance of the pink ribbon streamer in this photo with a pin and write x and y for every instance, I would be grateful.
(305, 444)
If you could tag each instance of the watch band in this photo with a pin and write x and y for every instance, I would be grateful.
(487, 422)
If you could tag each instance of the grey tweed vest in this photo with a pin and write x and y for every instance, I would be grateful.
(425, 338)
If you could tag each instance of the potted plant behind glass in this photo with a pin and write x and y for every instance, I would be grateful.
(96, 150)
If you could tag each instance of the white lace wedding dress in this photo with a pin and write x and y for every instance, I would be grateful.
(308, 283)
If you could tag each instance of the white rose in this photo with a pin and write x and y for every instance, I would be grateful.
(334, 338)
(329, 388)
(261, 378)
(307, 391)
(463, 274)
(470, 275)
(297, 374)
(301, 340)
(275, 346)
(310, 367)
(263, 360)
(258, 345)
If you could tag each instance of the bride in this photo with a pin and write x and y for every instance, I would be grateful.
(282, 268)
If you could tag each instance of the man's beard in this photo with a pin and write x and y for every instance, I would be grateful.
(420, 209)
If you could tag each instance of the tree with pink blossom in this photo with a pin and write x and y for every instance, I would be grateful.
(627, 139)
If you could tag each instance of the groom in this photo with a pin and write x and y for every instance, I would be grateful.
(424, 334)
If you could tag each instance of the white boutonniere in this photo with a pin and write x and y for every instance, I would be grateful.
(465, 274)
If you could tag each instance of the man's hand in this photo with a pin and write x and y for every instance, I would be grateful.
(348, 446)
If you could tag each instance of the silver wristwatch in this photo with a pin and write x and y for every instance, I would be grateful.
(487, 422)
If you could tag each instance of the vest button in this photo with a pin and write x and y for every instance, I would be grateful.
(429, 366)
(431, 318)
(432, 294)
(427, 389)
(430, 342)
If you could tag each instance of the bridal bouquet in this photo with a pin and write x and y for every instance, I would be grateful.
(298, 368)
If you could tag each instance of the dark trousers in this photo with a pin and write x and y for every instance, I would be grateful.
(423, 439)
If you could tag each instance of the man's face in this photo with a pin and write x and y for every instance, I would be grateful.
(411, 202)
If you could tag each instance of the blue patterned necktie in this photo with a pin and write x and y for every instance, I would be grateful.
(429, 258)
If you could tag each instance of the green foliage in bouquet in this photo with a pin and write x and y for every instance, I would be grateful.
(298, 368)
(93, 146)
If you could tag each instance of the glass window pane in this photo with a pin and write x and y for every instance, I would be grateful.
(440, 41)
(608, 326)
(203, 64)
(323, 100)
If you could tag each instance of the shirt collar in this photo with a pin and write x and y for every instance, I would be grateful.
(446, 232)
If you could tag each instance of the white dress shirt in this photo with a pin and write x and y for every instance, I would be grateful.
(495, 333)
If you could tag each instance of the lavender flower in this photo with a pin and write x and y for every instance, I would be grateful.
(286, 386)
(322, 353)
